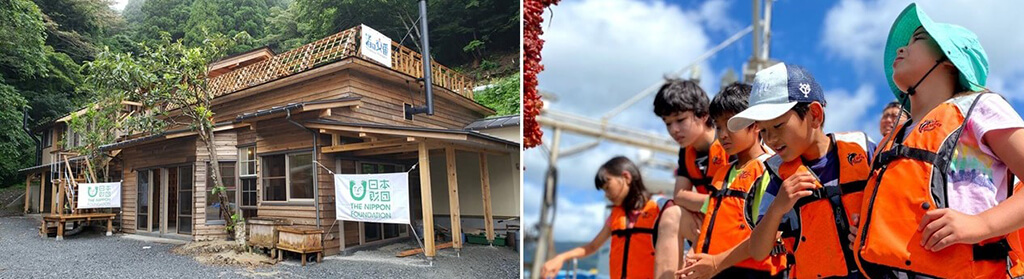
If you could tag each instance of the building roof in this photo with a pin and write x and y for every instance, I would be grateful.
(494, 122)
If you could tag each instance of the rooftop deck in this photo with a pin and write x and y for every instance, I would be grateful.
(330, 49)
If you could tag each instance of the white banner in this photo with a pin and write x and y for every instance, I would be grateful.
(99, 195)
(375, 46)
(380, 197)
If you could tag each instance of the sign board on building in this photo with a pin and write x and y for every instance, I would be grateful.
(375, 46)
(380, 197)
(99, 195)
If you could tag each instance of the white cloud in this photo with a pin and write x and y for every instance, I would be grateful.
(856, 30)
(716, 17)
(574, 221)
(848, 112)
(597, 55)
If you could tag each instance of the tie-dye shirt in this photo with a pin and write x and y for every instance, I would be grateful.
(977, 178)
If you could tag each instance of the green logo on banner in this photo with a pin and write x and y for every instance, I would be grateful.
(358, 193)
(93, 191)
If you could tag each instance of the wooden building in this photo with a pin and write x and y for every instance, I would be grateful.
(284, 120)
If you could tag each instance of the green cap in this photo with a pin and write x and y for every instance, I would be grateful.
(960, 46)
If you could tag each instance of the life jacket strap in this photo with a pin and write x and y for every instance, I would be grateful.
(998, 250)
(900, 151)
(632, 231)
(729, 193)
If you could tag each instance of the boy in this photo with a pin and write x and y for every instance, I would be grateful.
(683, 107)
(732, 189)
(816, 179)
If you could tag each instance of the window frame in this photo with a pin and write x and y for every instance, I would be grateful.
(209, 171)
(262, 199)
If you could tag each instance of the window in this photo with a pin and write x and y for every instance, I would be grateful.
(227, 172)
(288, 177)
(247, 176)
(247, 161)
(300, 171)
(274, 178)
(47, 138)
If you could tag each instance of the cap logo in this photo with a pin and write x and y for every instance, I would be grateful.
(805, 88)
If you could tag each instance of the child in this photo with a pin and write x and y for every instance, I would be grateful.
(936, 204)
(631, 225)
(815, 178)
(727, 221)
(683, 107)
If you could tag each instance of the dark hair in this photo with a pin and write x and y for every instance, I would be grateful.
(681, 96)
(637, 196)
(801, 109)
(731, 100)
(893, 104)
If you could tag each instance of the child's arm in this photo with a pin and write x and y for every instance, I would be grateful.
(763, 237)
(707, 266)
(685, 196)
(944, 227)
(552, 266)
(667, 252)
(691, 219)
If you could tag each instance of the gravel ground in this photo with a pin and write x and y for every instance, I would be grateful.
(90, 254)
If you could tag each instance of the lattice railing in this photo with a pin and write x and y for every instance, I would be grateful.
(327, 50)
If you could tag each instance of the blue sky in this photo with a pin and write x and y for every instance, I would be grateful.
(600, 53)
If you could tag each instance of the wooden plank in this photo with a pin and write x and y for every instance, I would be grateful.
(28, 185)
(411, 252)
(427, 201)
(485, 187)
(387, 131)
(368, 145)
(453, 197)
(42, 195)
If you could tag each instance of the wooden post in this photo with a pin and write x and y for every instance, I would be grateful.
(485, 188)
(42, 195)
(28, 185)
(58, 207)
(428, 208)
(453, 198)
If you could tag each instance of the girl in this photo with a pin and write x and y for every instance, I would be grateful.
(937, 202)
(631, 226)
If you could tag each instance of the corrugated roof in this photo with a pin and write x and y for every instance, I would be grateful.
(494, 122)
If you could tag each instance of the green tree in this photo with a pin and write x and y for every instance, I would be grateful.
(166, 77)
(229, 17)
(14, 144)
(282, 32)
(502, 95)
(454, 25)
(163, 16)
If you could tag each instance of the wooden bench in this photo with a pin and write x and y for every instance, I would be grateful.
(300, 239)
(61, 220)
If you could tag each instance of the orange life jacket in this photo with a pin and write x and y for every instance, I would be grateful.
(822, 247)
(717, 159)
(910, 178)
(729, 222)
(632, 254)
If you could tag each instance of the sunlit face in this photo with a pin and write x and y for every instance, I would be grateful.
(617, 188)
(734, 142)
(684, 127)
(889, 116)
(788, 134)
(915, 59)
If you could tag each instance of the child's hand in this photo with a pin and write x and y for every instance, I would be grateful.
(794, 188)
(853, 229)
(699, 266)
(551, 268)
(941, 228)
